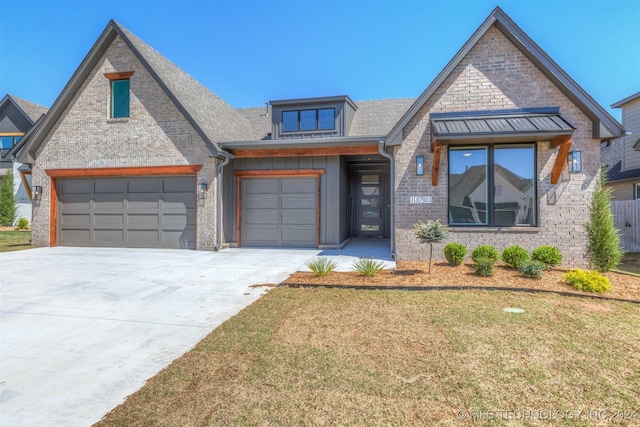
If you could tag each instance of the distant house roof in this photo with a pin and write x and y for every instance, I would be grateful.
(32, 111)
(212, 118)
(604, 125)
(612, 162)
(626, 100)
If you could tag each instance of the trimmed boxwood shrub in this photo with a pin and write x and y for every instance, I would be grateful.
(454, 253)
(484, 266)
(515, 256)
(589, 281)
(532, 269)
(484, 251)
(549, 255)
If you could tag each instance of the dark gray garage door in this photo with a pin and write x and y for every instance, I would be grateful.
(136, 212)
(280, 212)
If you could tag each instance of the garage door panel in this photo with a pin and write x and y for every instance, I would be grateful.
(299, 186)
(77, 220)
(261, 186)
(261, 216)
(296, 201)
(108, 219)
(178, 185)
(299, 217)
(127, 212)
(279, 212)
(77, 186)
(110, 186)
(107, 235)
(145, 185)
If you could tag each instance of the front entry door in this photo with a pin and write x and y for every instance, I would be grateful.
(371, 204)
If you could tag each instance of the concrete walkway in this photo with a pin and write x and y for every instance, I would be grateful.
(81, 329)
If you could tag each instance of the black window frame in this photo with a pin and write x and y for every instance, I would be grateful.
(490, 170)
(636, 191)
(316, 121)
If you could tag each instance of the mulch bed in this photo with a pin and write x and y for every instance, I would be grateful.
(414, 274)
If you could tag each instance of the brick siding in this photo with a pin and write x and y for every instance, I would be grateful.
(155, 134)
(496, 75)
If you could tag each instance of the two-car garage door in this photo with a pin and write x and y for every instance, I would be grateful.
(138, 212)
(279, 212)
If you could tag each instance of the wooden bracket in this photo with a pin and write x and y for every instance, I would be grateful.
(564, 143)
(435, 169)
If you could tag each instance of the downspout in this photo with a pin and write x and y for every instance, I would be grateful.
(392, 172)
(227, 159)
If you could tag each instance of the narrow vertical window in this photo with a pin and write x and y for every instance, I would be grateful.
(119, 104)
(119, 98)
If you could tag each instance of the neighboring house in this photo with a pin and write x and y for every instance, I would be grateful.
(134, 152)
(621, 158)
(17, 117)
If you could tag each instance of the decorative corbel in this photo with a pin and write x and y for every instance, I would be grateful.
(436, 148)
(563, 142)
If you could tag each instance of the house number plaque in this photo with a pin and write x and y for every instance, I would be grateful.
(420, 199)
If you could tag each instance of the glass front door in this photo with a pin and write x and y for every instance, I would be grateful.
(371, 204)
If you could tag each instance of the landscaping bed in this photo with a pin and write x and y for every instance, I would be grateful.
(415, 274)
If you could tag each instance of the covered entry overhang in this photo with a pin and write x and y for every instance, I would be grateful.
(522, 125)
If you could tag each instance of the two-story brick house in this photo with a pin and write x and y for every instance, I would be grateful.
(134, 152)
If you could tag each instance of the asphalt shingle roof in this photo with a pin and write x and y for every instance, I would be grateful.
(217, 119)
(33, 111)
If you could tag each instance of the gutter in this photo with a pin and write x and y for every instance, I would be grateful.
(392, 173)
(227, 159)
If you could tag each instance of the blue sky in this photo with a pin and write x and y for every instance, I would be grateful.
(250, 52)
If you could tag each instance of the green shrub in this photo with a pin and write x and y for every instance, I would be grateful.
(23, 224)
(484, 266)
(515, 256)
(484, 251)
(368, 266)
(532, 269)
(548, 255)
(603, 248)
(8, 206)
(454, 253)
(321, 265)
(589, 281)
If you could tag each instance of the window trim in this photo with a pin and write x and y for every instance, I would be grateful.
(118, 77)
(636, 191)
(490, 170)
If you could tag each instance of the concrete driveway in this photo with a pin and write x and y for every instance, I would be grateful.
(81, 329)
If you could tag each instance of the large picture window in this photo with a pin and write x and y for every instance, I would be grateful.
(493, 185)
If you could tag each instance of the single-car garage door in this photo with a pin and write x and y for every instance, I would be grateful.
(134, 212)
(280, 212)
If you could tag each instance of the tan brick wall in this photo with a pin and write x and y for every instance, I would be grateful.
(496, 75)
(155, 134)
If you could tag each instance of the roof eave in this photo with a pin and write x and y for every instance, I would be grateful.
(302, 143)
(626, 100)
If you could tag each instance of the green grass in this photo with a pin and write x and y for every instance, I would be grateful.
(630, 263)
(343, 357)
(14, 240)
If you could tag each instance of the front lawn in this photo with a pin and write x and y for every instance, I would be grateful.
(14, 240)
(351, 357)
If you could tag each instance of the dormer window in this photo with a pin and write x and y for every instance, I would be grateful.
(308, 120)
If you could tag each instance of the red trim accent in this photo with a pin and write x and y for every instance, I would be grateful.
(119, 76)
(53, 217)
(283, 173)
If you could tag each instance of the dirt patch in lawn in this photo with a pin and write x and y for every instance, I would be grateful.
(414, 274)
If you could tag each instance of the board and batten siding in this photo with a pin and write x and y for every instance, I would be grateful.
(631, 120)
(330, 184)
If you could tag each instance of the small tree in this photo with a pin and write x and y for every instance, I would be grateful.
(7, 200)
(431, 232)
(603, 248)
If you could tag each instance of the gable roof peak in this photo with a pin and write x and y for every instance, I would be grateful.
(604, 127)
(212, 118)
